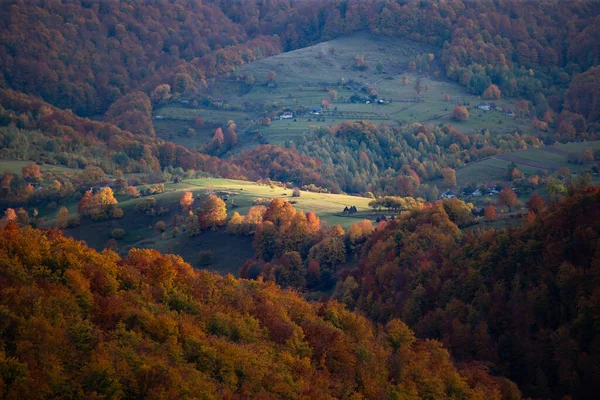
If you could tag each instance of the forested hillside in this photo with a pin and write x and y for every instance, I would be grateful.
(118, 120)
(80, 324)
(523, 300)
(85, 55)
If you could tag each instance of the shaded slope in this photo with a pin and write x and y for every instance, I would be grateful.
(77, 323)
(524, 300)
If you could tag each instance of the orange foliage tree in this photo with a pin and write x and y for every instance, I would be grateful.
(214, 213)
(492, 93)
(508, 198)
(460, 113)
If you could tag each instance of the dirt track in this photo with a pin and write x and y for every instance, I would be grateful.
(529, 163)
(554, 150)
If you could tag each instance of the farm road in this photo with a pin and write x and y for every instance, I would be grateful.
(529, 163)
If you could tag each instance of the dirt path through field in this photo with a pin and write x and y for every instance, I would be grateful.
(529, 163)
(554, 150)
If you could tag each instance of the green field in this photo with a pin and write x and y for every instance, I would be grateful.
(532, 161)
(327, 206)
(15, 167)
(303, 78)
(229, 252)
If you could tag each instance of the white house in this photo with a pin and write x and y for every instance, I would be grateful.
(484, 107)
(448, 195)
(286, 115)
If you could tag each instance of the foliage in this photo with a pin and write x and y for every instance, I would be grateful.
(460, 113)
(101, 205)
(150, 324)
(508, 198)
(118, 233)
(213, 214)
(520, 299)
(583, 96)
(396, 203)
(186, 201)
(206, 257)
(492, 92)
(490, 213)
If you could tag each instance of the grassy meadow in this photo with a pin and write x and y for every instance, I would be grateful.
(303, 78)
(229, 252)
(532, 161)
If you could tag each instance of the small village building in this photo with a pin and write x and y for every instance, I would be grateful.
(484, 106)
(448, 195)
(286, 115)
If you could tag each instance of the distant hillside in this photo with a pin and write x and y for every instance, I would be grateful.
(80, 324)
(85, 56)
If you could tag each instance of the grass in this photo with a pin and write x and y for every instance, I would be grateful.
(15, 166)
(548, 159)
(303, 78)
(488, 170)
(229, 252)
(327, 206)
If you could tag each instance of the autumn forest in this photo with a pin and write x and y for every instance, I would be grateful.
(300, 199)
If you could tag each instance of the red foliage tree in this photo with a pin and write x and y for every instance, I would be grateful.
(508, 197)
(490, 213)
(536, 204)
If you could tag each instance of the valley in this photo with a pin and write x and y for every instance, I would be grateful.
(385, 89)
(299, 199)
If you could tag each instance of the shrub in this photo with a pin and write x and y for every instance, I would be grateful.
(145, 206)
(206, 257)
(460, 113)
(118, 233)
(116, 212)
(161, 226)
(73, 221)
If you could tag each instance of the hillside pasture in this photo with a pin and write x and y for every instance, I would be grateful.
(15, 167)
(229, 252)
(303, 79)
(539, 161)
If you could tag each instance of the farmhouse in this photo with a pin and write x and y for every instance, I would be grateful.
(448, 195)
(484, 106)
(286, 115)
(508, 112)
(315, 110)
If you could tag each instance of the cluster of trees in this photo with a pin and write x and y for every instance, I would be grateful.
(523, 300)
(363, 157)
(293, 248)
(397, 204)
(286, 164)
(149, 325)
(210, 215)
(99, 205)
(222, 140)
